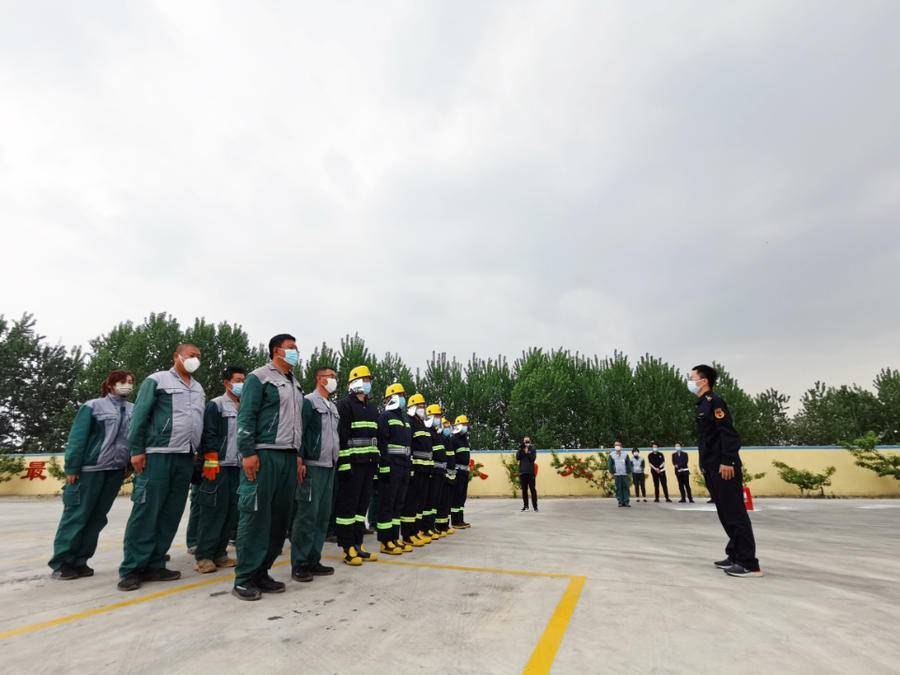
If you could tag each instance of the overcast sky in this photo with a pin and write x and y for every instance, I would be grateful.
(695, 180)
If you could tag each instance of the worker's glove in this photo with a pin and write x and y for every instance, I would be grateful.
(210, 465)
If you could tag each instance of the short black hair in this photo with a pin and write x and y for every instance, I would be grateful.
(279, 340)
(231, 371)
(619, 441)
(708, 373)
(184, 346)
(322, 369)
(653, 443)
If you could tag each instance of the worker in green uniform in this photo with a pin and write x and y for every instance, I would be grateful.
(166, 428)
(269, 433)
(96, 462)
(221, 473)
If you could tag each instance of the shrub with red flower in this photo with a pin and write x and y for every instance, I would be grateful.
(475, 470)
(591, 468)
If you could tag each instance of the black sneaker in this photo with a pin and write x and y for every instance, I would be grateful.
(524, 508)
(161, 574)
(84, 571)
(302, 573)
(681, 501)
(535, 508)
(267, 584)
(724, 564)
(668, 501)
(65, 573)
(691, 501)
(247, 592)
(737, 570)
(130, 582)
(320, 570)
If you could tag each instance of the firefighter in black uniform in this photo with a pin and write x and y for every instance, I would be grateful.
(357, 463)
(411, 523)
(437, 475)
(448, 489)
(682, 473)
(658, 471)
(459, 441)
(719, 445)
(394, 439)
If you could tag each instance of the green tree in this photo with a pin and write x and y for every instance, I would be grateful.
(488, 389)
(10, 466)
(662, 405)
(807, 481)
(222, 345)
(389, 369)
(37, 388)
(865, 451)
(887, 386)
(322, 356)
(443, 383)
(828, 414)
(771, 425)
(353, 353)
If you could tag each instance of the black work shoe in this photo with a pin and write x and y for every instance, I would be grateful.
(681, 501)
(302, 573)
(524, 508)
(724, 564)
(161, 574)
(130, 582)
(267, 584)
(65, 573)
(656, 500)
(320, 570)
(535, 508)
(668, 501)
(691, 501)
(84, 571)
(737, 570)
(247, 592)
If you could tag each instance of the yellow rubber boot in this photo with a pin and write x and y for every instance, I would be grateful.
(391, 548)
(351, 557)
(414, 541)
(450, 530)
(424, 538)
(366, 556)
(405, 546)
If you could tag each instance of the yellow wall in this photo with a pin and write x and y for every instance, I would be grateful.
(849, 480)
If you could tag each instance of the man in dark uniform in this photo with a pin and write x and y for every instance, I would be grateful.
(394, 440)
(658, 471)
(682, 473)
(719, 445)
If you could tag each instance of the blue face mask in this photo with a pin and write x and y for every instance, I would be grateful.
(402, 401)
(445, 431)
(367, 388)
(292, 356)
(236, 388)
(463, 428)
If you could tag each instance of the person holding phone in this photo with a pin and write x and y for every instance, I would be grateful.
(526, 456)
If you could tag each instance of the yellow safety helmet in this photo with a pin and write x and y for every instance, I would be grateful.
(445, 422)
(395, 388)
(433, 409)
(415, 399)
(358, 372)
(462, 419)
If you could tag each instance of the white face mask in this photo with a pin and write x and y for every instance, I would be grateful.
(693, 386)
(330, 385)
(618, 448)
(429, 421)
(123, 389)
(411, 411)
(677, 448)
(420, 413)
(190, 364)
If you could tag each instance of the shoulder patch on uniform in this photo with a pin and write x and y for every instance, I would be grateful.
(719, 413)
(708, 397)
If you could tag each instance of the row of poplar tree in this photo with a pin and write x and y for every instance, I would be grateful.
(562, 399)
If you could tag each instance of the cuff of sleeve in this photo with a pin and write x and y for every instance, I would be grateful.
(137, 451)
(249, 452)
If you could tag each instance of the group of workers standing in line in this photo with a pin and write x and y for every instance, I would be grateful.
(631, 469)
(262, 458)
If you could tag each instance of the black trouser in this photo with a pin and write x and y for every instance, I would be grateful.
(445, 498)
(657, 479)
(459, 498)
(527, 481)
(729, 498)
(434, 487)
(411, 521)
(684, 484)
(352, 501)
(640, 486)
(392, 487)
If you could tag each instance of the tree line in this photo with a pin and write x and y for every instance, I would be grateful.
(562, 399)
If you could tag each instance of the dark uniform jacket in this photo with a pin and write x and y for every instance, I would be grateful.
(526, 459)
(680, 460)
(421, 444)
(438, 450)
(357, 432)
(394, 439)
(718, 440)
(460, 445)
(657, 459)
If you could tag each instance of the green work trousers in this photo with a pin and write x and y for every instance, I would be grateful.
(313, 508)
(158, 495)
(264, 513)
(85, 505)
(623, 492)
(217, 504)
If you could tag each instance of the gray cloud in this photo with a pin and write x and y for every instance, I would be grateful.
(697, 181)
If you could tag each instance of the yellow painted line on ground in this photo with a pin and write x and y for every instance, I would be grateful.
(541, 658)
(544, 654)
(69, 618)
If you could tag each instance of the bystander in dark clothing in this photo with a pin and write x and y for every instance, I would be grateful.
(526, 457)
